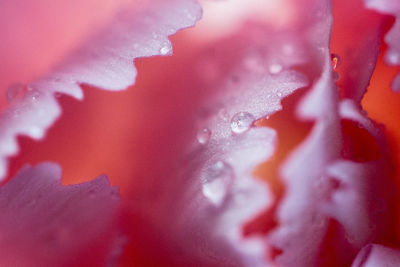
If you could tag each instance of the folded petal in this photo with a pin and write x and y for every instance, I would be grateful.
(374, 255)
(208, 146)
(392, 38)
(105, 60)
(44, 223)
(355, 42)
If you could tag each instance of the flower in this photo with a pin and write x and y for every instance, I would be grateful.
(263, 101)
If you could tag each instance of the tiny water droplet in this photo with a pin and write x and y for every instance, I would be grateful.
(35, 95)
(203, 136)
(241, 122)
(275, 68)
(13, 91)
(164, 50)
(217, 181)
(336, 61)
(279, 94)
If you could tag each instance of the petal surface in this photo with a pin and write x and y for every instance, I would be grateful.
(392, 38)
(105, 60)
(377, 255)
(44, 223)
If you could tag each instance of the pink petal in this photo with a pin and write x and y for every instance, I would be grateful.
(319, 222)
(198, 190)
(374, 255)
(392, 38)
(104, 61)
(46, 224)
(355, 40)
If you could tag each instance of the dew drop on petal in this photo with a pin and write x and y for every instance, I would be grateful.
(241, 122)
(275, 68)
(35, 95)
(164, 50)
(279, 94)
(203, 136)
(13, 91)
(217, 181)
(336, 61)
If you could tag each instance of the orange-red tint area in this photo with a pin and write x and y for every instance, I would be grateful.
(383, 106)
(103, 134)
(291, 132)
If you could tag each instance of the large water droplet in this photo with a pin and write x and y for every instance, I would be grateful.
(217, 181)
(336, 61)
(203, 136)
(13, 91)
(275, 68)
(241, 122)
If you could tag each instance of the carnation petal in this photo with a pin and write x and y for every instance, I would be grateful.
(105, 61)
(214, 146)
(374, 255)
(47, 224)
(392, 38)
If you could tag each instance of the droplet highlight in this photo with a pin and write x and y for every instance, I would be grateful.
(217, 181)
(275, 68)
(336, 61)
(241, 122)
(165, 50)
(203, 136)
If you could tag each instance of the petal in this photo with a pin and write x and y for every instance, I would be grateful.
(105, 61)
(392, 38)
(377, 255)
(46, 224)
(328, 211)
(355, 40)
(203, 168)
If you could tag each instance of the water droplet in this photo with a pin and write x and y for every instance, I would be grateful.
(241, 122)
(203, 136)
(275, 68)
(279, 94)
(217, 181)
(164, 50)
(336, 61)
(13, 91)
(35, 95)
